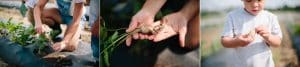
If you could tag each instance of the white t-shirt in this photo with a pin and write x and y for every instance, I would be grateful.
(257, 53)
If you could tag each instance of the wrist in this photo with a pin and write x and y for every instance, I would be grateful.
(185, 15)
(153, 6)
(37, 23)
(148, 12)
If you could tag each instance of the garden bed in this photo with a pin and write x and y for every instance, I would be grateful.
(20, 46)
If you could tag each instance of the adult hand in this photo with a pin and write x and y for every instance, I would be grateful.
(174, 23)
(140, 19)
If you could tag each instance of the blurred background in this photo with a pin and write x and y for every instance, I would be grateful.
(213, 14)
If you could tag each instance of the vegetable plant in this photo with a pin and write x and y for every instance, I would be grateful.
(23, 35)
(109, 43)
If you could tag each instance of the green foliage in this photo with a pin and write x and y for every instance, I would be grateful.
(22, 35)
(109, 43)
(296, 29)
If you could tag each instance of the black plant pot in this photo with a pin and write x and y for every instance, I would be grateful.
(14, 54)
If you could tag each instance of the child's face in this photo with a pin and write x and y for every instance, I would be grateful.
(254, 6)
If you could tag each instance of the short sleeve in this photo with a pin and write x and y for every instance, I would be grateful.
(79, 1)
(275, 28)
(31, 3)
(228, 27)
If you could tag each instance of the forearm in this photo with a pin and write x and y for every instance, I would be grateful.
(229, 42)
(37, 10)
(37, 15)
(75, 22)
(153, 6)
(193, 33)
(273, 41)
(190, 9)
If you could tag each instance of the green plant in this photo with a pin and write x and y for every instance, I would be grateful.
(109, 43)
(22, 35)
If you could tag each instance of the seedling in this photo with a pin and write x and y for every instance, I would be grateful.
(109, 43)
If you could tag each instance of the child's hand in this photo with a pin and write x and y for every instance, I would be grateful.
(263, 31)
(244, 40)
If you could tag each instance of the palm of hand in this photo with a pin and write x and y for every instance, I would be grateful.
(174, 24)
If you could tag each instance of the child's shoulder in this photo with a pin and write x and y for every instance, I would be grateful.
(239, 12)
(268, 13)
(236, 11)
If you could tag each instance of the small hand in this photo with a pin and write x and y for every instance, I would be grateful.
(263, 31)
(244, 40)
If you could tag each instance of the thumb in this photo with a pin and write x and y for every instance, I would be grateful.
(182, 33)
(128, 40)
(132, 26)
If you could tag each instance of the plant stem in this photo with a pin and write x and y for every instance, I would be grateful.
(121, 39)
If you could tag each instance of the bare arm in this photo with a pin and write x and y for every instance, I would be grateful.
(153, 6)
(75, 22)
(238, 41)
(37, 15)
(191, 12)
(273, 40)
(190, 9)
(229, 42)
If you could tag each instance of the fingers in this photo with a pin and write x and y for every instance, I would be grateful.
(244, 41)
(142, 36)
(182, 33)
(151, 37)
(128, 40)
(39, 30)
(165, 33)
(58, 47)
(263, 31)
(135, 36)
(246, 38)
(132, 26)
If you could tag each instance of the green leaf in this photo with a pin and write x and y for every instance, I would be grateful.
(114, 36)
(106, 59)
(103, 33)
